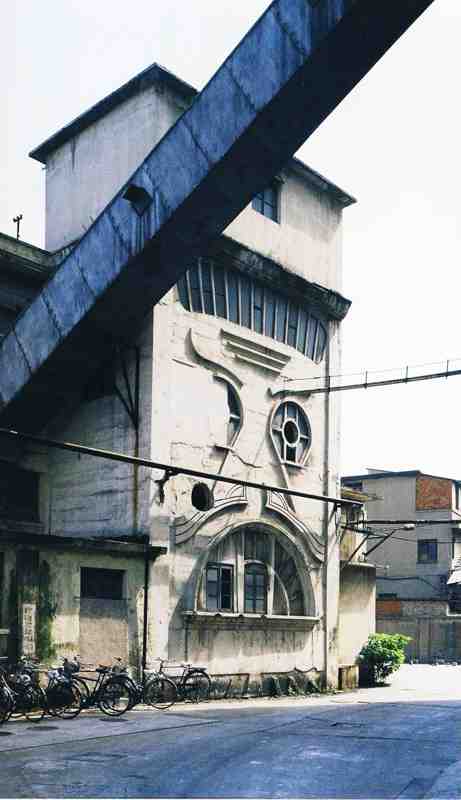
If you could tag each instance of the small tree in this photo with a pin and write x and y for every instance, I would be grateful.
(383, 654)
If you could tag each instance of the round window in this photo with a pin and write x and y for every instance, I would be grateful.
(291, 431)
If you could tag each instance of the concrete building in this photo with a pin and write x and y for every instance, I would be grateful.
(211, 379)
(418, 583)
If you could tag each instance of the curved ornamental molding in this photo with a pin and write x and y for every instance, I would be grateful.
(253, 353)
(212, 354)
(185, 529)
(277, 503)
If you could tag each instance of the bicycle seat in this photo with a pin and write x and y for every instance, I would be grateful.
(102, 668)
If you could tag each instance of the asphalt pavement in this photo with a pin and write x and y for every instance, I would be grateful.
(402, 741)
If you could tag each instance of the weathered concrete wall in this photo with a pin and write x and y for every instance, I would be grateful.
(191, 366)
(435, 633)
(64, 623)
(83, 495)
(308, 239)
(356, 610)
(400, 553)
(84, 174)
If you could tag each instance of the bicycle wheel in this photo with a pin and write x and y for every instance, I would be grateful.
(84, 690)
(34, 704)
(115, 697)
(68, 702)
(6, 704)
(160, 693)
(196, 687)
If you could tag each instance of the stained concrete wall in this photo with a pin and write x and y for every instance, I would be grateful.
(84, 174)
(399, 555)
(192, 362)
(357, 599)
(98, 630)
(308, 238)
(86, 496)
(186, 358)
(435, 633)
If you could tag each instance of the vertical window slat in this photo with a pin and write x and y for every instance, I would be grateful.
(226, 293)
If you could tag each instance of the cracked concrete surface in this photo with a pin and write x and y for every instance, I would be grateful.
(401, 741)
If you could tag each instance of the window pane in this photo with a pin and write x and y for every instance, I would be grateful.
(282, 307)
(219, 588)
(321, 342)
(207, 287)
(233, 296)
(245, 295)
(183, 296)
(262, 541)
(226, 588)
(258, 309)
(292, 326)
(195, 289)
(302, 331)
(220, 293)
(105, 584)
(311, 336)
(258, 203)
(269, 300)
(249, 544)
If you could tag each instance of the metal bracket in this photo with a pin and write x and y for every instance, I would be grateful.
(169, 473)
(129, 393)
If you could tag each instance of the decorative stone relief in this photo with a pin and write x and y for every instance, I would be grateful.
(185, 529)
(252, 353)
(277, 503)
(211, 352)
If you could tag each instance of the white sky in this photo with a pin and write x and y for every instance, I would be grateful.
(394, 143)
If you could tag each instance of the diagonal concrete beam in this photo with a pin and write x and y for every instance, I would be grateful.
(288, 73)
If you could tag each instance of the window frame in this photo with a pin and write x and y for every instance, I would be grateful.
(254, 568)
(265, 556)
(86, 582)
(421, 543)
(282, 444)
(267, 201)
(220, 567)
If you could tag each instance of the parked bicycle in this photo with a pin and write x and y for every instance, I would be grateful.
(112, 692)
(63, 697)
(193, 684)
(20, 695)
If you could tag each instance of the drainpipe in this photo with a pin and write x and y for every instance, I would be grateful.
(136, 445)
(146, 608)
(326, 469)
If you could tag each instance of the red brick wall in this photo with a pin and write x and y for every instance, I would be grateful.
(433, 493)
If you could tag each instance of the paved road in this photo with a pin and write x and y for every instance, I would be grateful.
(397, 742)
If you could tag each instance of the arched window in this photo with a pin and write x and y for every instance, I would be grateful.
(252, 571)
(291, 432)
(211, 289)
(235, 415)
(255, 592)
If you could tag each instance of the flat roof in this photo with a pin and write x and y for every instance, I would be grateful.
(410, 473)
(153, 74)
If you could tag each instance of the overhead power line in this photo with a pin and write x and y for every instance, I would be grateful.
(367, 384)
(171, 470)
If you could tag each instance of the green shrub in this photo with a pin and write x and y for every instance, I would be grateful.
(383, 653)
